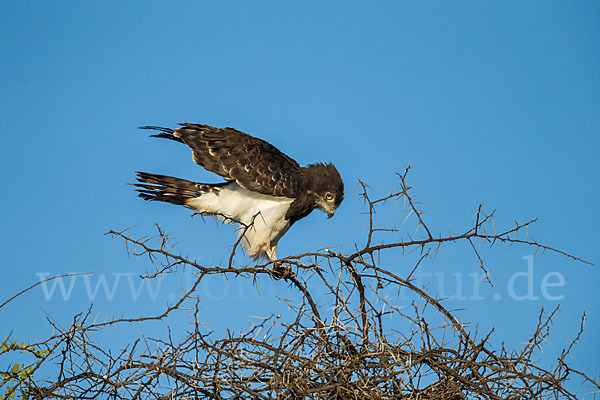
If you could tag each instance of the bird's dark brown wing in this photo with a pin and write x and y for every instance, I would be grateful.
(253, 163)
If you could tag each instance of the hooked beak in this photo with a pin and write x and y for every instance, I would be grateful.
(330, 214)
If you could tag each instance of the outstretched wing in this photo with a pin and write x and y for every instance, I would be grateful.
(254, 164)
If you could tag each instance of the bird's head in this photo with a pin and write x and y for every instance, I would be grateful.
(326, 185)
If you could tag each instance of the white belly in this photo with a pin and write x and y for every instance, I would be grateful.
(261, 217)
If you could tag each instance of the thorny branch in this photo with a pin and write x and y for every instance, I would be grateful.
(342, 344)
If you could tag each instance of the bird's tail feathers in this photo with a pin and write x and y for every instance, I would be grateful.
(155, 187)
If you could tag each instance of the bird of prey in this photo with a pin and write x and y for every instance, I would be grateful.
(265, 192)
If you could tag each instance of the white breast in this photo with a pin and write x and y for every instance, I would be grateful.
(263, 215)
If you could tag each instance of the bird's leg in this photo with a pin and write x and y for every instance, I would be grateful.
(279, 270)
(272, 253)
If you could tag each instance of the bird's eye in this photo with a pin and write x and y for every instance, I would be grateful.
(329, 196)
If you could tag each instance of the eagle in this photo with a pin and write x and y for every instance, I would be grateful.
(265, 192)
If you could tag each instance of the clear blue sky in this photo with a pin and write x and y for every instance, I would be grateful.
(491, 102)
